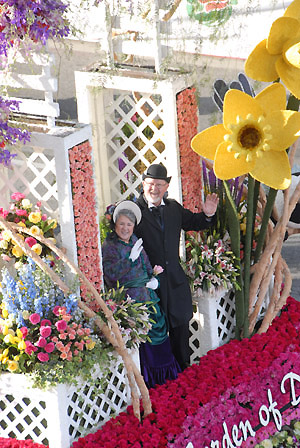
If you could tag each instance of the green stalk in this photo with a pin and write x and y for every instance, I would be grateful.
(234, 232)
(247, 251)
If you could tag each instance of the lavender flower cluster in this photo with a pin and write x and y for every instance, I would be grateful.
(9, 135)
(37, 20)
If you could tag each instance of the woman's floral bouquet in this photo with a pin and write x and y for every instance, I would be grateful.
(210, 263)
(132, 317)
(24, 214)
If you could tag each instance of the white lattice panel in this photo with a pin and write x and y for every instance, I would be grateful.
(213, 323)
(58, 416)
(135, 138)
(34, 174)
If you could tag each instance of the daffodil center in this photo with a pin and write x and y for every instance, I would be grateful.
(249, 137)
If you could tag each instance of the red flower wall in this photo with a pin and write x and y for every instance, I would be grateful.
(191, 174)
(85, 214)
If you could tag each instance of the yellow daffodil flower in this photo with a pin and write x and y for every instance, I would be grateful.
(253, 138)
(278, 56)
(19, 333)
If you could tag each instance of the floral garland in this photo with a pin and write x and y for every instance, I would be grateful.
(228, 369)
(85, 214)
(187, 111)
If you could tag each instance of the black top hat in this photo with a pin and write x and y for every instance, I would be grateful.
(157, 171)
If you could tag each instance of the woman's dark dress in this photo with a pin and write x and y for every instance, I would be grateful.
(157, 361)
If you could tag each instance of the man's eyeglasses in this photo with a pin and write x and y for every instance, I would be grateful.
(153, 185)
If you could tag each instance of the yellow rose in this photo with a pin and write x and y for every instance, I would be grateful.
(3, 244)
(6, 235)
(35, 217)
(90, 345)
(12, 366)
(37, 248)
(21, 224)
(17, 251)
(26, 203)
(53, 222)
(35, 230)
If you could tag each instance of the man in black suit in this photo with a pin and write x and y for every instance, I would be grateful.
(160, 229)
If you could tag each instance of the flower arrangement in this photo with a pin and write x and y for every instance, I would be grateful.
(232, 380)
(210, 263)
(22, 212)
(44, 333)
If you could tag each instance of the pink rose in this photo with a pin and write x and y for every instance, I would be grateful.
(24, 331)
(29, 348)
(21, 212)
(57, 310)
(46, 323)
(17, 196)
(41, 342)
(44, 217)
(30, 241)
(38, 204)
(45, 332)
(49, 347)
(35, 318)
(61, 325)
(43, 357)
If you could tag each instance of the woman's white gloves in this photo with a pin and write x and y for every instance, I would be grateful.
(136, 250)
(152, 284)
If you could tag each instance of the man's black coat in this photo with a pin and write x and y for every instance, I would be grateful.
(162, 248)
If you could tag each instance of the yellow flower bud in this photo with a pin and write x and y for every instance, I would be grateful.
(4, 313)
(21, 345)
(19, 333)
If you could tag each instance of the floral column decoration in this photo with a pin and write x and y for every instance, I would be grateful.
(85, 214)
(253, 141)
(187, 110)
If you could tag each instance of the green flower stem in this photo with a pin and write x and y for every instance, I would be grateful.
(234, 232)
(247, 252)
(264, 224)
